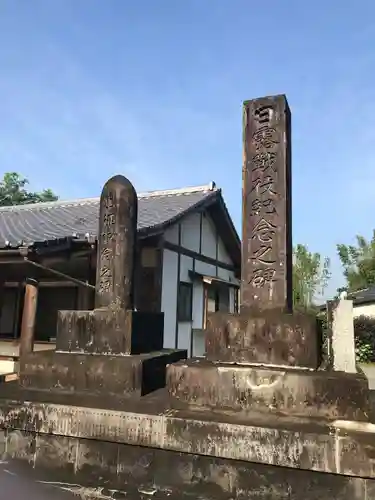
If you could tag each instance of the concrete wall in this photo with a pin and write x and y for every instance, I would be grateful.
(198, 235)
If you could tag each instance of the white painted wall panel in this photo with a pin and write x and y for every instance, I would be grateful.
(204, 268)
(190, 232)
(184, 331)
(186, 265)
(364, 310)
(199, 348)
(197, 304)
(171, 234)
(169, 297)
(224, 274)
(190, 235)
(222, 254)
(208, 238)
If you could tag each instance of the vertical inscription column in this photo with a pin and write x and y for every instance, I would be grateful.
(266, 280)
(116, 244)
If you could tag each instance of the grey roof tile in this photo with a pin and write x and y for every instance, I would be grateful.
(363, 296)
(61, 219)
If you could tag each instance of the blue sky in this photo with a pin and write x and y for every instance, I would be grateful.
(153, 89)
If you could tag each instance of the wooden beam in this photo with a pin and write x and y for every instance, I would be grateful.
(195, 255)
(29, 318)
(45, 284)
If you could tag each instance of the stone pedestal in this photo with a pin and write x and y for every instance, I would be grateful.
(267, 362)
(268, 358)
(227, 388)
(272, 337)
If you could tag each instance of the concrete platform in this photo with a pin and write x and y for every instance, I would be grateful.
(20, 482)
(145, 450)
(320, 445)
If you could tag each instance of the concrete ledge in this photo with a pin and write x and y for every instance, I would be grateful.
(332, 447)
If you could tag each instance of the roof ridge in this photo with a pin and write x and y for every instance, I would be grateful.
(80, 201)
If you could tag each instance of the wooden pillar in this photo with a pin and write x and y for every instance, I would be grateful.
(29, 317)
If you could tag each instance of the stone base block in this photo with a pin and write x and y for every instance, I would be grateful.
(271, 337)
(109, 331)
(97, 374)
(332, 395)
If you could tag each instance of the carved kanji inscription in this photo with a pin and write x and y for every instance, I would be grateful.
(266, 242)
(117, 240)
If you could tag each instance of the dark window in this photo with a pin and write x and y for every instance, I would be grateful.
(50, 301)
(185, 302)
(218, 299)
(9, 313)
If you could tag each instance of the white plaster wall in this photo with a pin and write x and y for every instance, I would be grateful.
(208, 237)
(199, 348)
(190, 232)
(169, 296)
(204, 268)
(186, 265)
(364, 310)
(184, 336)
(190, 235)
(171, 234)
(224, 274)
(197, 304)
(222, 254)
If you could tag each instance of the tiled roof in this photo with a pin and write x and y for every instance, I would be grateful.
(363, 296)
(28, 224)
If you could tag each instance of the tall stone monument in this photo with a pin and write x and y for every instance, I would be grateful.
(267, 357)
(267, 205)
(112, 348)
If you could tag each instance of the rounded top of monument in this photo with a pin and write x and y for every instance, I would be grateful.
(118, 182)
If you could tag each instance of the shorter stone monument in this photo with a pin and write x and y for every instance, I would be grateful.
(341, 342)
(112, 349)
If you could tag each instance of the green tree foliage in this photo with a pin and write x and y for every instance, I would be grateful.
(310, 276)
(358, 262)
(13, 192)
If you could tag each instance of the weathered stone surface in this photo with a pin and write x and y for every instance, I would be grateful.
(267, 205)
(134, 375)
(116, 244)
(86, 467)
(338, 446)
(270, 338)
(198, 383)
(109, 331)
